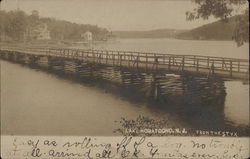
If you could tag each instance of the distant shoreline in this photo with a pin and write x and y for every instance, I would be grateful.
(176, 39)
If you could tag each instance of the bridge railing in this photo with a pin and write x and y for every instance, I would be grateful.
(182, 62)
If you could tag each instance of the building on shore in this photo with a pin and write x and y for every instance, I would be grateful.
(38, 32)
(87, 36)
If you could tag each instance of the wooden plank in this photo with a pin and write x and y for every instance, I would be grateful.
(180, 61)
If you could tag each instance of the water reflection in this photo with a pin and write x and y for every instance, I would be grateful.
(197, 101)
(236, 110)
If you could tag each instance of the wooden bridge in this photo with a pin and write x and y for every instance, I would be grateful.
(204, 65)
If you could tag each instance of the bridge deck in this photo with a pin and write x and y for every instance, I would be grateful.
(207, 65)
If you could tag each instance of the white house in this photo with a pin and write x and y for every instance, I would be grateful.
(43, 32)
(87, 36)
(39, 32)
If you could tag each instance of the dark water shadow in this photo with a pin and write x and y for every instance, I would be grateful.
(197, 101)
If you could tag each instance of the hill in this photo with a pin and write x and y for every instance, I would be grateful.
(219, 30)
(159, 33)
(18, 25)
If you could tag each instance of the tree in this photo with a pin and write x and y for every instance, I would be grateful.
(35, 13)
(34, 18)
(223, 9)
(17, 25)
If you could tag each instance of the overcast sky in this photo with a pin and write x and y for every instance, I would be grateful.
(114, 14)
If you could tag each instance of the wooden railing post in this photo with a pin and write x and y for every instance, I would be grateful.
(197, 65)
(118, 58)
(231, 68)
(121, 56)
(183, 62)
(113, 59)
(169, 62)
(138, 59)
(106, 57)
(238, 66)
(155, 61)
(194, 60)
(131, 56)
(223, 63)
(212, 68)
(124, 56)
(47, 52)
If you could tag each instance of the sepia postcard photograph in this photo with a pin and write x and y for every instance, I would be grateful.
(87, 79)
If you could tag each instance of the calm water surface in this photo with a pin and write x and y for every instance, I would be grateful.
(39, 103)
(181, 47)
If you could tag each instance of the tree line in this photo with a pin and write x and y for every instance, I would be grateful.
(223, 9)
(14, 25)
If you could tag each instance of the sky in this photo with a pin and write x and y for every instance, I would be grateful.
(114, 14)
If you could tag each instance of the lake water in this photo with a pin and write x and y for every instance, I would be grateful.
(180, 47)
(35, 102)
